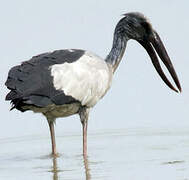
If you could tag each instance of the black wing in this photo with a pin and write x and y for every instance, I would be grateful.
(32, 83)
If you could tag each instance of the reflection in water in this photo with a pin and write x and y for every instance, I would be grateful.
(148, 152)
(55, 170)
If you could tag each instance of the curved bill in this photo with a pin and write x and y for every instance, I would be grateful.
(155, 44)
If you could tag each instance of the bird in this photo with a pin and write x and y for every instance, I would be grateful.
(66, 82)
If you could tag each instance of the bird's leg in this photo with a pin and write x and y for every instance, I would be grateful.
(84, 114)
(51, 127)
(87, 169)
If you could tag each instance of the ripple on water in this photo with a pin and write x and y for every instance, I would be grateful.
(117, 154)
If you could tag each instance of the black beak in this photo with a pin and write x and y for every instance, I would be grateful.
(154, 45)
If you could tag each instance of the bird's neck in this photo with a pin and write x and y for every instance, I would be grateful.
(117, 51)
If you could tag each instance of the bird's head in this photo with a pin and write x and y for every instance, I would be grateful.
(136, 26)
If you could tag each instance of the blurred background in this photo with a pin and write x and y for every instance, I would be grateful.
(138, 97)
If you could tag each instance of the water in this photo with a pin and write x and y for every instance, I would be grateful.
(137, 154)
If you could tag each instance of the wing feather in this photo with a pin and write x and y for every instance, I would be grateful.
(86, 80)
(32, 83)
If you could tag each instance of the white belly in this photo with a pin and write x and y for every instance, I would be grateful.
(86, 80)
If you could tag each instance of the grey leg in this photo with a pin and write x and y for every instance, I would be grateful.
(51, 127)
(84, 114)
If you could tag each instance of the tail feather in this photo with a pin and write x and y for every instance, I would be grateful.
(12, 95)
(18, 104)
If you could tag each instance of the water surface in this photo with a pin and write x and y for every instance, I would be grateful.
(137, 154)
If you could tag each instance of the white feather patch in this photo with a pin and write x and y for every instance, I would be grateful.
(86, 80)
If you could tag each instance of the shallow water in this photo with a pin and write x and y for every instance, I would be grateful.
(137, 154)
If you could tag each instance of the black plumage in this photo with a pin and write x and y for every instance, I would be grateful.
(31, 82)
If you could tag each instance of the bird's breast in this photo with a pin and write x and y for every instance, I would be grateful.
(86, 80)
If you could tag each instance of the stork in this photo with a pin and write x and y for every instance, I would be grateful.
(71, 81)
